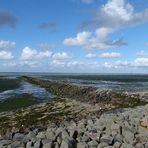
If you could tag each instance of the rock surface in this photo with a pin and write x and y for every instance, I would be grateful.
(120, 130)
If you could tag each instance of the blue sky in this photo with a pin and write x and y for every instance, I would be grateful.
(98, 36)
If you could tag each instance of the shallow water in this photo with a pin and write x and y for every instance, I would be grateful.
(115, 82)
(10, 89)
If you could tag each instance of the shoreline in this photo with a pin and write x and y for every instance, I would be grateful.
(73, 109)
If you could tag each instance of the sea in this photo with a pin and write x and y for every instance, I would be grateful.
(11, 85)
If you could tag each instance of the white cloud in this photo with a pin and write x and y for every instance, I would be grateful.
(142, 54)
(6, 55)
(111, 17)
(104, 55)
(61, 56)
(146, 43)
(79, 40)
(30, 54)
(140, 62)
(5, 45)
(122, 64)
(91, 55)
(32, 64)
(11, 64)
(110, 55)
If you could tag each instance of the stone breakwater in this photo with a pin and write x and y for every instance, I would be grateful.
(79, 117)
(88, 94)
(126, 129)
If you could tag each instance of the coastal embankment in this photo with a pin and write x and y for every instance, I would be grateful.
(78, 117)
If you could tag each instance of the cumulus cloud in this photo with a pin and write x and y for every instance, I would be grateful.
(5, 45)
(30, 54)
(6, 55)
(142, 54)
(140, 62)
(61, 56)
(7, 19)
(104, 55)
(111, 17)
(11, 64)
(79, 40)
(31, 64)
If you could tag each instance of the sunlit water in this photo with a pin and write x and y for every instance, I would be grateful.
(26, 88)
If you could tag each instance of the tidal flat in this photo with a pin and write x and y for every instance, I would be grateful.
(102, 113)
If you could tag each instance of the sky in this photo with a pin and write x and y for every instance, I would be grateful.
(74, 36)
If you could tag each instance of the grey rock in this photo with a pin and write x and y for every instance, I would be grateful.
(65, 134)
(59, 139)
(129, 137)
(82, 145)
(115, 126)
(106, 139)
(41, 135)
(73, 133)
(5, 142)
(56, 145)
(95, 135)
(117, 145)
(118, 138)
(44, 141)
(146, 145)
(50, 135)
(18, 137)
(139, 145)
(85, 138)
(29, 144)
(124, 145)
(16, 144)
(48, 145)
(92, 143)
(102, 145)
(38, 144)
(67, 144)
(31, 135)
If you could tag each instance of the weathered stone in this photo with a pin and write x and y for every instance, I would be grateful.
(18, 137)
(102, 145)
(146, 145)
(92, 143)
(16, 144)
(29, 144)
(82, 145)
(139, 145)
(5, 142)
(48, 145)
(129, 137)
(38, 144)
(144, 122)
(50, 135)
(117, 145)
(118, 138)
(66, 144)
(31, 135)
(106, 139)
(56, 145)
(85, 138)
(41, 135)
(124, 145)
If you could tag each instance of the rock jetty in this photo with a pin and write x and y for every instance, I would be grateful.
(126, 129)
(79, 117)
(88, 94)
